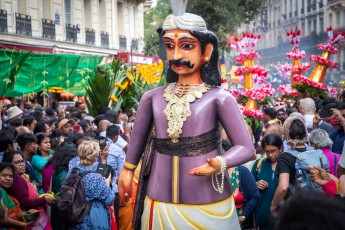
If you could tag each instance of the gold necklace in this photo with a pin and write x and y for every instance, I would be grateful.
(178, 108)
(182, 89)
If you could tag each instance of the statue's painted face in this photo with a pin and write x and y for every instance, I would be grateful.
(183, 52)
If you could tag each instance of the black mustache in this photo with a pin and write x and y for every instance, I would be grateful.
(181, 62)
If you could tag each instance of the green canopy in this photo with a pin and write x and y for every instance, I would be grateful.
(28, 72)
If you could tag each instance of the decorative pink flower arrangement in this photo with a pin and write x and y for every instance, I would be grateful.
(304, 66)
(323, 61)
(258, 114)
(256, 94)
(251, 54)
(288, 91)
(318, 85)
(328, 48)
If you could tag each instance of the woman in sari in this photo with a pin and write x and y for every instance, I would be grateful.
(26, 194)
(10, 204)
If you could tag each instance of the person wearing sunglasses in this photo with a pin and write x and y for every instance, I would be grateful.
(264, 172)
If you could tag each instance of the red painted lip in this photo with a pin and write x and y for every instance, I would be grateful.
(178, 66)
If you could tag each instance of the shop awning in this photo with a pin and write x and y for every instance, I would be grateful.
(28, 72)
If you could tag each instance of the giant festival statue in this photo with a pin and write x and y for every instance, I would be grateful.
(183, 182)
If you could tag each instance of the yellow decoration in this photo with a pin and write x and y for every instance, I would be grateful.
(295, 63)
(56, 90)
(319, 71)
(251, 104)
(248, 83)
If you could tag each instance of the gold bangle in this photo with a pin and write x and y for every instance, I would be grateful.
(130, 166)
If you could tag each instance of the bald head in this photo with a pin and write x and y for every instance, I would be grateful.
(103, 125)
(22, 129)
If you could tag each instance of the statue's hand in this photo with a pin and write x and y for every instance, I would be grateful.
(212, 166)
(125, 185)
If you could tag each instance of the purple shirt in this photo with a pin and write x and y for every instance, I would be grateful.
(333, 159)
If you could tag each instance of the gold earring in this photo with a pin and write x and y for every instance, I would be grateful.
(207, 59)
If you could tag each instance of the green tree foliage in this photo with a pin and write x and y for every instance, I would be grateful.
(152, 21)
(221, 16)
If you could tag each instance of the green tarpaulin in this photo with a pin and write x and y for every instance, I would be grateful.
(28, 72)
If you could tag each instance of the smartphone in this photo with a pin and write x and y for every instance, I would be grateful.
(322, 165)
(321, 162)
(102, 144)
(326, 113)
(104, 170)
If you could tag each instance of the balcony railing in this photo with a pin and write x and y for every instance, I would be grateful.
(134, 44)
(122, 42)
(48, 27)
(23, 24)
(3, 21)
(71, 33)
(104, 39)
(90, 36)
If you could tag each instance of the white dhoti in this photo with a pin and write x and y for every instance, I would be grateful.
(160, 215)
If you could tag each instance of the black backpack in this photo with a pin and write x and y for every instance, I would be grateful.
(71, 202)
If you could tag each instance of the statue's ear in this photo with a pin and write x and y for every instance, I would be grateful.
(208, 51)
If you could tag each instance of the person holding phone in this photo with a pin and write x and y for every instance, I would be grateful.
(338, 135)
(313, 120)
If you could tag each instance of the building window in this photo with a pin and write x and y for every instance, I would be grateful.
(104, 39)
(23, 24)
(90, 36)
(48, 29)
(330, 19)
(3, 21)
(68, 11)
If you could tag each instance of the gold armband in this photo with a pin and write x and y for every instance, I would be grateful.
(130, 166)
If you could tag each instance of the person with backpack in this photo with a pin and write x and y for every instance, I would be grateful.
(292, 165)
(264, 172)
(90, 189)
(319, 139)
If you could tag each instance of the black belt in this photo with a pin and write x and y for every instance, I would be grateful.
(189, 146)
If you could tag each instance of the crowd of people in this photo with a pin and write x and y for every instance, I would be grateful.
(41, 147)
